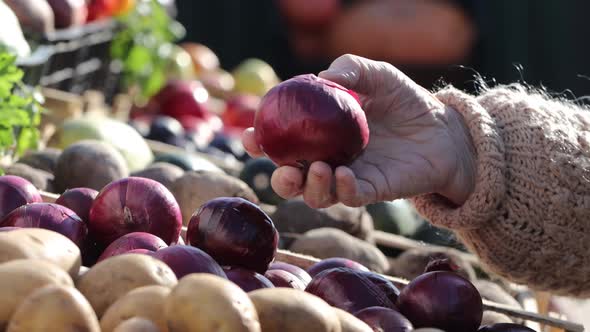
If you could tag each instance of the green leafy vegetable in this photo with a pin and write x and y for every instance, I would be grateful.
(143, 46)
(20, 109)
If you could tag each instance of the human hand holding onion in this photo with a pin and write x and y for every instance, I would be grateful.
(416, 145)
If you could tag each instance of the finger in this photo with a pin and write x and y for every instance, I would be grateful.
(249, 143)
(287, 181)
(317, 192)
(363, 75)
(352, 191)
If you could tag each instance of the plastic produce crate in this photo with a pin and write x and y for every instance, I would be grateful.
(75, 60)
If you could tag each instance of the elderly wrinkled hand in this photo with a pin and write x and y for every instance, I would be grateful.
(417, 145)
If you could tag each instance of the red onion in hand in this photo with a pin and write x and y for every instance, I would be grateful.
(78, 200)
(15, 192)
(384, 319)
(333, 262)
(247, 280)
(49, 216)
(235, 232)
(282, 278)
(350, 290)
(307, 119)
(443, 300)
(131, 241)
(184, 260)
(131, 205)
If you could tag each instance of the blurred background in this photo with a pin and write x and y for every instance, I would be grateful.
(535, 41)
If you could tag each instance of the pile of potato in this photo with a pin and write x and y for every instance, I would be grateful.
(45, 288)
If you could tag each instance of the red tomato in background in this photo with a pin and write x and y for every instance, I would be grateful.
(101, 9)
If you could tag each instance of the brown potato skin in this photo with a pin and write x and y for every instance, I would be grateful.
(43, 244)
(54, 308)
(291, 310)
(22, 277)
(137, 324)
(205, 302)
(147, 302)
(349, 323)
(112, 278)
(195, 188)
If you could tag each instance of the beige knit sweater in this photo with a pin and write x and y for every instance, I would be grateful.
(528, 218)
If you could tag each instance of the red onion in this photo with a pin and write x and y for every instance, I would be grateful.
(348, 289)
(49, 216)
(293, 269)
(78, 200)
(8, 228)
(131, 241)
(15, 192)
(235, 232)
(184, 260)
(443, 300)
(505, 327)
(282, 278)
(330, 263)
(247, 280)
(307, 119)
(179, 97)
(384, 319)
(240, 111)
(135, 204)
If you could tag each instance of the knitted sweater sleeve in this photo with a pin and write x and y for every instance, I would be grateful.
(528, 218)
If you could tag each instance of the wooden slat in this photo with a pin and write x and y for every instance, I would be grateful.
(48, 197)
(403, 243)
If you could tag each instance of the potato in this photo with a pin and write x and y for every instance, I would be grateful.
(42, 244)
(411, 263)
(294, 216)
(195, 188)
(491, 317)
(205, 302)
(287, 309)
(163, 172)
(112, 278)
(147, 302)
(137, 324)
(332, 242)
(54, 308)
(349, 323)
(90, 164)
(23, 276)
(493, 292)
(40, 179)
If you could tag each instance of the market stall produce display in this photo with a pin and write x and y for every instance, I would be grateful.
(152, 217)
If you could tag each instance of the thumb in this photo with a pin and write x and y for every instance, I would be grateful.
(362, 75)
